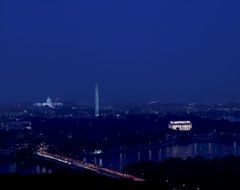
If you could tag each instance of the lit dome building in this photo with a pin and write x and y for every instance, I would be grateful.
(49, 103)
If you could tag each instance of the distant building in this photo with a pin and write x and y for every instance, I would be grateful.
(49, 103)
(180, 125)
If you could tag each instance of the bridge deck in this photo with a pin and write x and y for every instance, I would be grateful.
(84, 165)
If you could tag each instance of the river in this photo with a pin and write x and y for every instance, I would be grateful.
(118, 159)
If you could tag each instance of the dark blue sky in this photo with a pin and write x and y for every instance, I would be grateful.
(168, 50)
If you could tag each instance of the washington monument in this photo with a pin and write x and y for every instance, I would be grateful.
(96, 101)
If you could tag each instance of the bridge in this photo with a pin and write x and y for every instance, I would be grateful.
(87, 166)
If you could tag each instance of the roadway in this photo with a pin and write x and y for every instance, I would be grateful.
(84, 165)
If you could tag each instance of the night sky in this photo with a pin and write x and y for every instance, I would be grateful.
(169, 50)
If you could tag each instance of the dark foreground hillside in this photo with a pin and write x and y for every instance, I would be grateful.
(193, 173)
(72, 181)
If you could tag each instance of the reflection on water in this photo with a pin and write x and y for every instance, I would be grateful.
(120, 160)
(13, 168)
(208, 150)
(40, 170)
(150, 155)
(139, 157)
(100, 162)
(159, 154)
(117, 160)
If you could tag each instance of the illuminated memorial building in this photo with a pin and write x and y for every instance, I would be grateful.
(180, 125)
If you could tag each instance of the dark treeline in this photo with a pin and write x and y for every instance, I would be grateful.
(72, 181)
(115, 132)
(192, 173)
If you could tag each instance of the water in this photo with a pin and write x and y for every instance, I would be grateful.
(117, 160)
(22, 168)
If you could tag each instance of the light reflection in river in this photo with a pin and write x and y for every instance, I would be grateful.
(117, 160)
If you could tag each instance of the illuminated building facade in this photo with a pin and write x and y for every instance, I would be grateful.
(180, 125)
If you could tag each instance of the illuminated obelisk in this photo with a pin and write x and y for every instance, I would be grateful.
(96, 101)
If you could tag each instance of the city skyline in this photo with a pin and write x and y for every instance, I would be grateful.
(120, 94)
